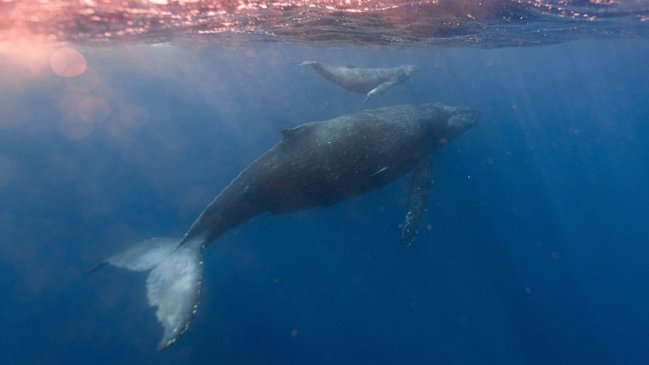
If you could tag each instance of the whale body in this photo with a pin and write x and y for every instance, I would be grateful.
(315, 164)
(368, 81)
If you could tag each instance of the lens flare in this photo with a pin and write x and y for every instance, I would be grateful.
(67, 62)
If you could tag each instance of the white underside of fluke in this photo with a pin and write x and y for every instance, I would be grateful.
(174, 284)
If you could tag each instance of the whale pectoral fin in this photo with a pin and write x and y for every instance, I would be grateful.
(419, 188)
(290, 133)
(174, 283)
(379, 89)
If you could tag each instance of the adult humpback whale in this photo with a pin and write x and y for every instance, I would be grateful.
(315, 164)
(369, 81)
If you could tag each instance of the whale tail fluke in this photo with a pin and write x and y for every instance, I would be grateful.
(174, 283)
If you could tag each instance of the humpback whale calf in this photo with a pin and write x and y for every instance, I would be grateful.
(368, 81)
(315, 164)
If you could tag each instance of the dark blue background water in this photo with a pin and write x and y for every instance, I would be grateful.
(533, 251)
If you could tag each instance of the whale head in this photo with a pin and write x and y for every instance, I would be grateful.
(407, 71)
(451, 121)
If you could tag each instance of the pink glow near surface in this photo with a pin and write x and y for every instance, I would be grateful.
(49, 39)
(348, 21)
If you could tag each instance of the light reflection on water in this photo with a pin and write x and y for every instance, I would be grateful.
(456, 22)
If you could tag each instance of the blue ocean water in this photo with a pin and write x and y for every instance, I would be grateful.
(533, 250)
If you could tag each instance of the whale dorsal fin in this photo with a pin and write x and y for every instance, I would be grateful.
(292, 133)
(288, 133)
(351, 66)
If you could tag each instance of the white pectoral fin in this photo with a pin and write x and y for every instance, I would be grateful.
(174, 284)
(379, 89)
(419, 188)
